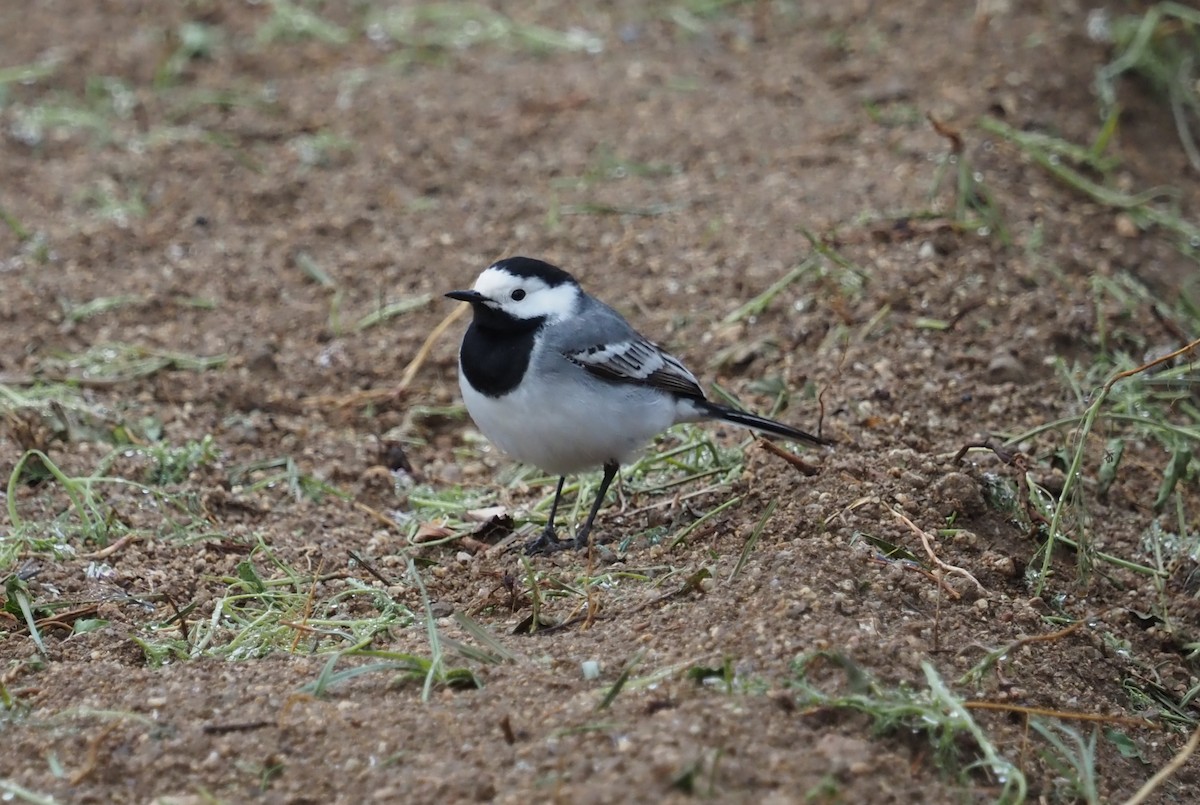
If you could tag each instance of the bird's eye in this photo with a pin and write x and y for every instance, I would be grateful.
(518, 294)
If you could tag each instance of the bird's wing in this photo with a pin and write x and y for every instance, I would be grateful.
(639, 362)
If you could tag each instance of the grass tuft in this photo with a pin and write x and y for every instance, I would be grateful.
(193, 41)
(429, 29)
(257, 476)
(1146, 209)
(1073, 759)
(290, 22)
(934, 712)
(1129, 399)
(1160, 46)
(432, 671)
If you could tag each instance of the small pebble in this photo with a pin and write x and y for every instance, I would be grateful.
(1125, 225)
(1005, 368)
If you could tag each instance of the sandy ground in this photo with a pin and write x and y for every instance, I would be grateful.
(232, 181)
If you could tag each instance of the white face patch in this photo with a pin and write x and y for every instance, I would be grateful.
(535, 298)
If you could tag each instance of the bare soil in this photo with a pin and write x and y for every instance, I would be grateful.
(209, 197)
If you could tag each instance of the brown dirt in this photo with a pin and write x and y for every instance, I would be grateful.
(455, 158)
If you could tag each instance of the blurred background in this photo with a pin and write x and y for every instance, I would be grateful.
(225, 232)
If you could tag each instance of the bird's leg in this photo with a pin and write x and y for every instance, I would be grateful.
(610, 472)
(548, 541)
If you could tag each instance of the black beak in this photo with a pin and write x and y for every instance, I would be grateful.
(474, 297)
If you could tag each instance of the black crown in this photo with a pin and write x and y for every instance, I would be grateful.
(535, 269)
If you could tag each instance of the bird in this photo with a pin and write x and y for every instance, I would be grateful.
(558, 379)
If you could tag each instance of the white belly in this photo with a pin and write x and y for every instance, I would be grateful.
(570, 433)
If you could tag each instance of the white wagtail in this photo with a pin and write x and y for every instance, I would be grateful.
(558, 379)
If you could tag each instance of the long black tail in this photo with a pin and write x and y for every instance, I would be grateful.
(758, 423)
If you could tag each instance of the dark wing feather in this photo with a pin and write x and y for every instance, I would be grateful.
(638, 362)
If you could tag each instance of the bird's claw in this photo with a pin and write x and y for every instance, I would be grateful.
(546, 543)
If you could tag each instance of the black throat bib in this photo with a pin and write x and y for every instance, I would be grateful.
(496, 350)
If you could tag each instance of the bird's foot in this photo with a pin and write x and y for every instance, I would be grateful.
(581, 538)
(547, 543)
